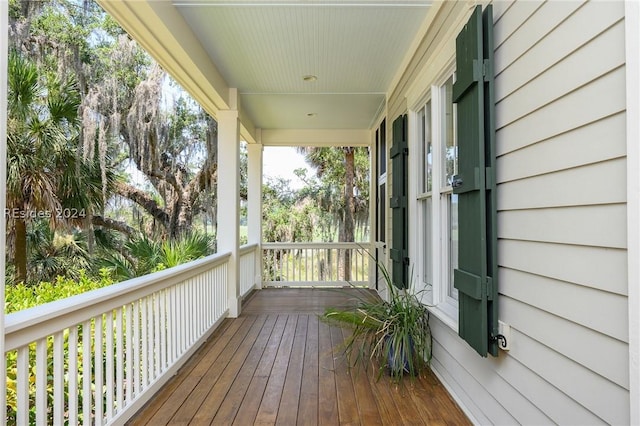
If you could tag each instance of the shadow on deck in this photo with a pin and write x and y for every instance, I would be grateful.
(277, 364)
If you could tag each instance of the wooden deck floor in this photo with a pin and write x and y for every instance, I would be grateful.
(277, 364)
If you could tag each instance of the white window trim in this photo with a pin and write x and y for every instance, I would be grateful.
(441, 304)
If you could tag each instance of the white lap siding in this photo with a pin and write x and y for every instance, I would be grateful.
(561, 187)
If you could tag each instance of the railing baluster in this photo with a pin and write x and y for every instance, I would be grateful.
(144, 350)
(58, 378)
(120, 385)
(93, 369)
(22, 378)
(183, 312)
(98, 368)
(86, 372)
(41, 381)
(314, 264)
(136, 349)
(162, 295)
(128, 368)
(109, 364)
(157, 349)
(72, 342)
(173, 338)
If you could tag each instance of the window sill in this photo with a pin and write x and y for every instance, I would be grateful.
(447, 314)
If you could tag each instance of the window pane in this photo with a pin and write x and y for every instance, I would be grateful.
(381, 212)
(427, 263)
(421, 142)
(452, 210)
(450, 148)
(428, 151)
(382, 148)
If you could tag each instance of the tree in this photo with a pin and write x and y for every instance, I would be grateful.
(41, 130)
(131, 112)
(343, 168)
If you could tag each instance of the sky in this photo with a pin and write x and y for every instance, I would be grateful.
(280, 161)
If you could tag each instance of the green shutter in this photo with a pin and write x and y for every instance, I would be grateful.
(476, 276)
(399, 205)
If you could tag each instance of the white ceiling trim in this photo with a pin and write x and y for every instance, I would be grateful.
(307, 3)
(316, 137)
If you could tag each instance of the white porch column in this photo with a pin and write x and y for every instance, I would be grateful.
(229, 197)
(254, 203)
(4, 48)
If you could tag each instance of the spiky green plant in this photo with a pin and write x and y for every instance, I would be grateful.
(394, 334)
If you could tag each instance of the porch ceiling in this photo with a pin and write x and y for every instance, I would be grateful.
(264, 48)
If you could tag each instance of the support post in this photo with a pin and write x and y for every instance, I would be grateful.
(229, 197)
(254, 203)
(4, 55)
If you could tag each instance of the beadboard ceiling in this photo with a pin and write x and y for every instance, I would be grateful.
(264, 48)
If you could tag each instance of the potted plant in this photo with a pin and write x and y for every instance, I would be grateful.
(394, 334)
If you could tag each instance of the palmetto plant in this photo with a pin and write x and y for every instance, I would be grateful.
(394, 334)
(42, 131)
(144, 255)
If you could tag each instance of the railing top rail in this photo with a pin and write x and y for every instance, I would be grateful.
(41, 321)
(247, 248)
(313, 245)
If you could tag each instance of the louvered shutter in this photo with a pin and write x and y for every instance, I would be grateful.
(476, 275)
(399, 203)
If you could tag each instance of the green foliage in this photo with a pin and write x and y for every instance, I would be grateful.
(22, 296)
(54, 255)
(328, 189)
(394, 334)
(285, 215)
(145, 255)
(14, 9)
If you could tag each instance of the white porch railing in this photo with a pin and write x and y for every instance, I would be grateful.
(248, 268)
(96, 358)
(315, 264)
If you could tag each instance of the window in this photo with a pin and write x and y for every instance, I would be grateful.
(381, 180)
(454, 188)
(449, 165)
(437, 205)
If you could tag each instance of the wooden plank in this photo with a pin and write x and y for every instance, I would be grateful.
(401, 397)
(385, 393)
(308, 404)
(426, 389)
(347, 405)
(222, 387)
(161, 408)
(231, 404)
(268, 410)
(267, 369)
(367, 408)
(198, 395)
(328, 404)
(251, 403)
(288, 410)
